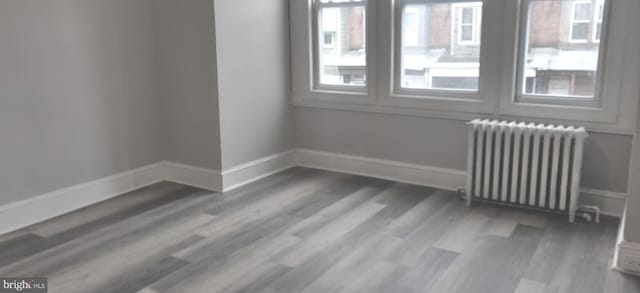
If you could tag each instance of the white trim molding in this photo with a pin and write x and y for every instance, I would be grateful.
(628, 253)
(40, 208)
(193, 176)
(610, 203)
(52, 204)
(255, 170)
(498, 79)
(447, 179)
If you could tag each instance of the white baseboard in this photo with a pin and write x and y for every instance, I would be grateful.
(193, 176)
(49, 205)
(610, 203)
(447, 179)
(626, 253)
(256, 170)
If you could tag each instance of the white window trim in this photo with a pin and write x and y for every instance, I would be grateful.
(597, 111)
(303, 36)
(557, 100)
(392, 94)
(317, 39)
(598, 20)
(456, 10)
(617, 114)
(574, 21)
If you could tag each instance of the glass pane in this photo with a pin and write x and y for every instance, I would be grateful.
(443, 52)
(580, 31)
(467, 32)
(445, 82)
(582, 11)
(340, 1)
(467, 15)
(554, 64)
(343, 61)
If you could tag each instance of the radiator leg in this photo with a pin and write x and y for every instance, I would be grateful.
(572, 216)
(467, 196)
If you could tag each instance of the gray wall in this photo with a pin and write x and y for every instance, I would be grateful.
(185, 44)
(90, 88)
(438, 142)
(253, 76)
(632, 212)
(77, 92)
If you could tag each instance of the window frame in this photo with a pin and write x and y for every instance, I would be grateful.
(611, 113)
(303, 90)
(456, 99)
(559, 100)
(435, 102)
(316, 47)
(500, 34)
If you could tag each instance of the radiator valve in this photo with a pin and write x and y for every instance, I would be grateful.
(587, 210)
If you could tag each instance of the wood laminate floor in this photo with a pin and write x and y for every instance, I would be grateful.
(310, 231)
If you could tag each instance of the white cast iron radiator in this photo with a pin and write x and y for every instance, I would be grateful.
(529, 165)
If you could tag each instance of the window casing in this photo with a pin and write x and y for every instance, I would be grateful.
(339, 45)
(556, 73)
(502, 87)
(442, 56)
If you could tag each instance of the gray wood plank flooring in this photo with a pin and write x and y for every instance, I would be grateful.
(311, 231)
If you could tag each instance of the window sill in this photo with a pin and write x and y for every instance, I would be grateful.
(430, 103)
(334, 97)
(623, 126)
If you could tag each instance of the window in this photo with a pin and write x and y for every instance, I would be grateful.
(329, 39)
(597, 30)
(468, 18)
(557, 70)
(340, 62)
(440, 46)
(569, 61)
(580, 21)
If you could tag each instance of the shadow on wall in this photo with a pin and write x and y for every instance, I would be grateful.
(606, 162)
